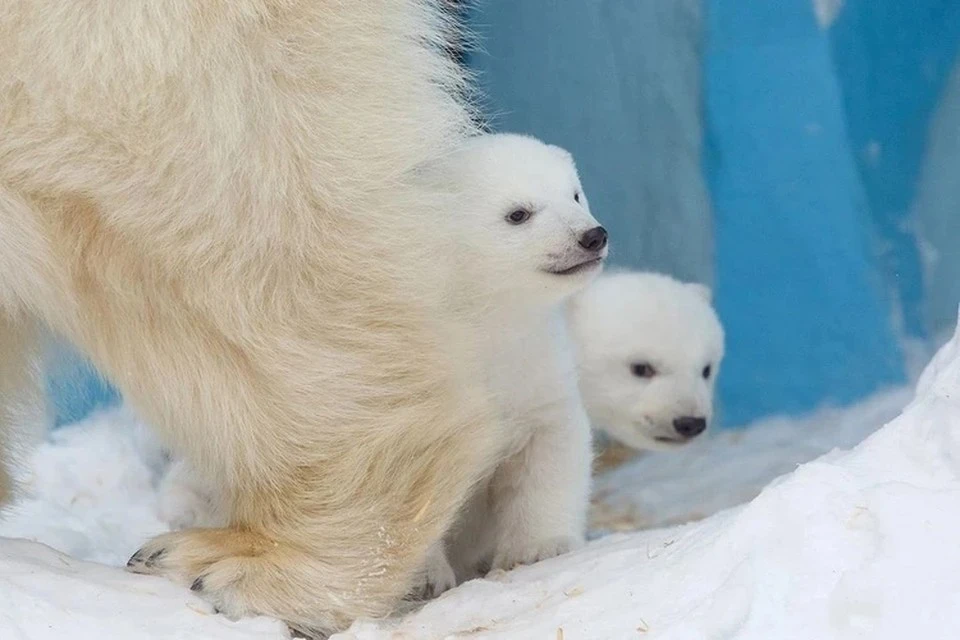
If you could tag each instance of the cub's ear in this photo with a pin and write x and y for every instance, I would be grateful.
(702, 290)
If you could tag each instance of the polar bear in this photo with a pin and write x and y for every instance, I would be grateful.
(649, 350)
(216, 202)
(527, 242)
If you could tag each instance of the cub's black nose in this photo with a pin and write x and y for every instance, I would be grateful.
(689, 426)
(594, 240)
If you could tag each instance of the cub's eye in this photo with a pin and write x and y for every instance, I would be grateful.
(576, 196)
(519, 216)
(642, 370)
(707, 372)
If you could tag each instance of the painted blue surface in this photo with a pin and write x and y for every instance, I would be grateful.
(74, 387)
(892, 59)
(798, 286)
(937, 211)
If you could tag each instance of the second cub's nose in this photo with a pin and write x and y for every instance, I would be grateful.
(690, 427)
(594, 239)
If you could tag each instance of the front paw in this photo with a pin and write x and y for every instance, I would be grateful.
(438, 576)
(510, 555)
(242, 573)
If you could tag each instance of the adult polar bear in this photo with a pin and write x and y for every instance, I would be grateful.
(212, 200)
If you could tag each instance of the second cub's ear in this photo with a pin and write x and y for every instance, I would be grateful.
(702, 290)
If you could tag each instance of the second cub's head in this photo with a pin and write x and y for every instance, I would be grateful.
(525, 219)
(649, 350)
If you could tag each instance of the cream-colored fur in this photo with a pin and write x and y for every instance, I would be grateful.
(533, 505)
(21, 402)
(211, 199)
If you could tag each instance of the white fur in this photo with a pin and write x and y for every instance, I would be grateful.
(215, 202)
(628, 318)
(187, 500)
(534, 504)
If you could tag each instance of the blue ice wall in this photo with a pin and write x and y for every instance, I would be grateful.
(815, 134)
(892, 59)
(819, 129)
(936, 211)
(798, 285)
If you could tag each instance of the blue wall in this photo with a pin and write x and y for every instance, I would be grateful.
(814, 135)
(818, 133)
(936, 210)
(892, 60)
(75, 388)
(798, 284)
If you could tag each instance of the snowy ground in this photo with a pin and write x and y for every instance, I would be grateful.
(858, 544)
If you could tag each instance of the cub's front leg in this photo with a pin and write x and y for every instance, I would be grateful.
(540, 495)
(438, 576)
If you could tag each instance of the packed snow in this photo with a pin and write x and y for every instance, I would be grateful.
(854, 544)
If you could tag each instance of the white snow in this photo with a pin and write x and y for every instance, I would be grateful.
(856, 544)
(731, 467)
(46, 594)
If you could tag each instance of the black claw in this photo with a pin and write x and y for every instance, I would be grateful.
(197, 584)
(156, 555)
(301, 635)
(135, 558)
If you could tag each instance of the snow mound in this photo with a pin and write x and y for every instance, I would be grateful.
(855, 544)
(729, 467)
(90, 490)
(860, 544)
(49, 595)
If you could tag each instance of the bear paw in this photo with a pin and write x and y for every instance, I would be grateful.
(510, 556)
(438, 576)
(243, 574)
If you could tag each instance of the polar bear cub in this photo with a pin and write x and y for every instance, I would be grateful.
(529, 242)
(649, 350)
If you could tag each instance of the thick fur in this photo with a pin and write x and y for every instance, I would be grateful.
(627, 318)
(213, 201)
(533, 503)
(21, 402)
(533, 506)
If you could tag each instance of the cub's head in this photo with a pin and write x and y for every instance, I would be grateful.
(527, 228)
(649, 350)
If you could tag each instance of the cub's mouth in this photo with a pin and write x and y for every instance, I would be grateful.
(577, 268)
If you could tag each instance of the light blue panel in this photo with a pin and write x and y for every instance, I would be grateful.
(74, 387)
(797, 286)
(892, 59)
(617, 82)
(937, 211)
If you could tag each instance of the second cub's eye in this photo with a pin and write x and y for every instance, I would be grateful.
(707, 371)
(642, 370)
(519, 216)
(576, 196)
